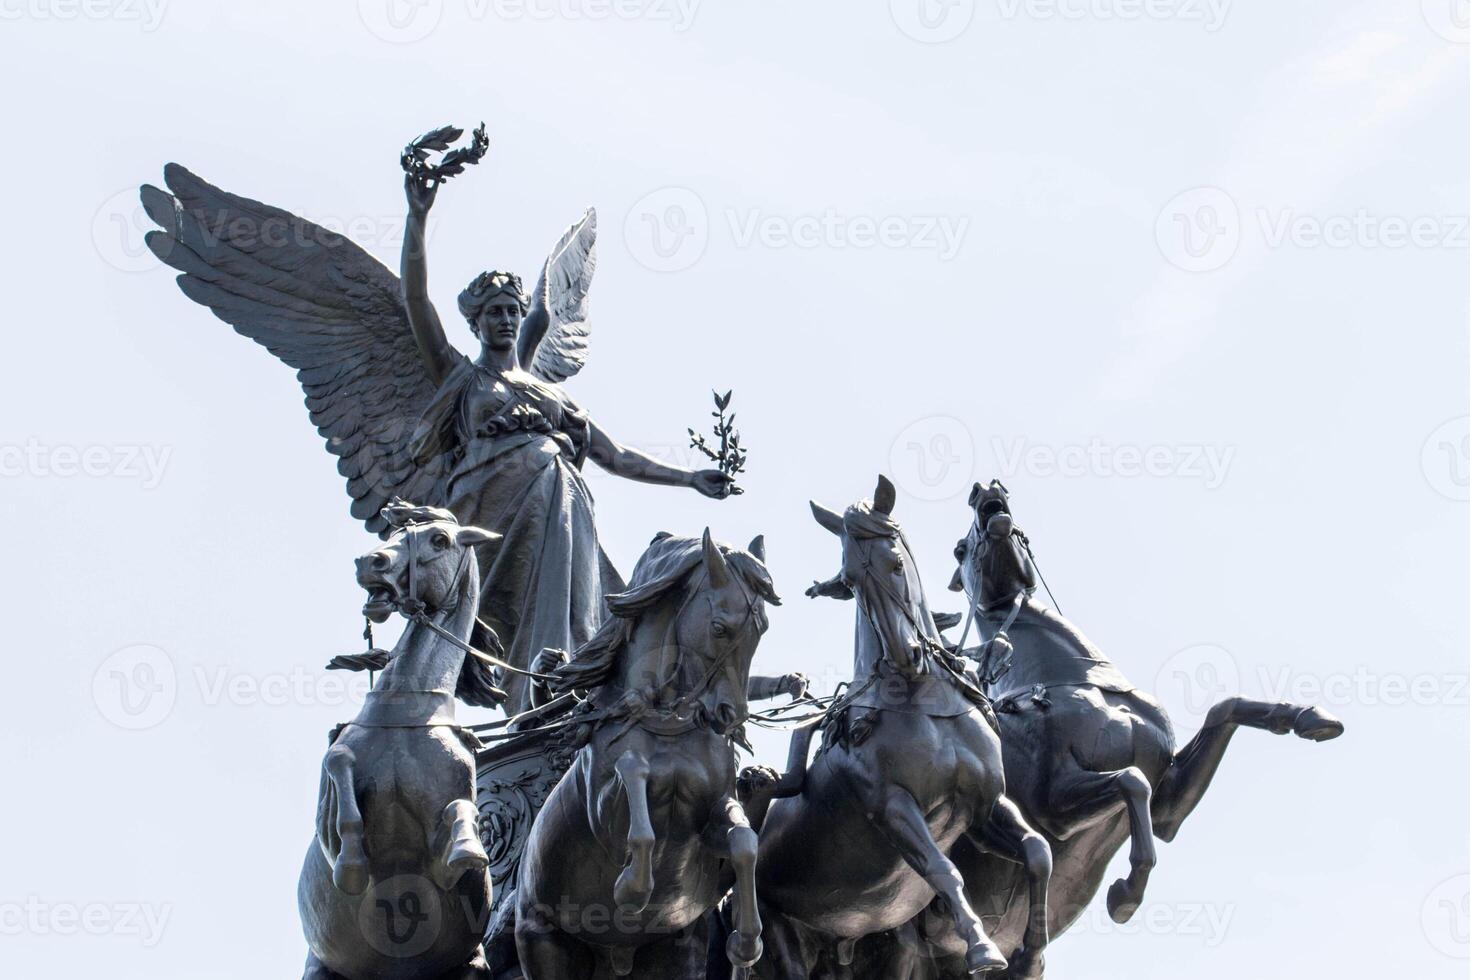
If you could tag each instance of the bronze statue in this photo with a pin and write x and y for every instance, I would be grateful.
(394, 885)
(910, 764)
(1090, 759)
(625, 858)
(494, 439)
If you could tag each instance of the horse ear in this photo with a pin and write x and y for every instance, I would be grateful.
(714, 561)
(758, 547)
(885, 496)
(475, 535)
(957, 582)
(829, 519)
(975, 492)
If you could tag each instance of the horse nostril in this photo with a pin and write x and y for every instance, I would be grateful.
(380, 562)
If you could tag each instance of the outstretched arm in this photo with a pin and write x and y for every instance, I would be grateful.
(625, 461)
(414, 273)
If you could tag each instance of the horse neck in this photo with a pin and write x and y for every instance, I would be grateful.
(1068, 639)
(423, 660)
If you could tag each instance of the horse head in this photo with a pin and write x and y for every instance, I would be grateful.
(994, 564)
(879, 571)
(421, 566)
(685, 630)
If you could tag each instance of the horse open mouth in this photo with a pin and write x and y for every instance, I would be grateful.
(382, 603)
(991, 507)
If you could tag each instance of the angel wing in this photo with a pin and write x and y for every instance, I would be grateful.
(554, 336)
(320, 304)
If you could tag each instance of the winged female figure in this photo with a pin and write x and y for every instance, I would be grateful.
(493, 438)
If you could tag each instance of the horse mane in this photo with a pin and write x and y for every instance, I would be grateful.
(668, 563)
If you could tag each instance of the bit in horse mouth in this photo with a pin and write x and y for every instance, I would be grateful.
(382, 601)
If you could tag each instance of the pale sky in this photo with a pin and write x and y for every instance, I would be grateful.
(1190, 276)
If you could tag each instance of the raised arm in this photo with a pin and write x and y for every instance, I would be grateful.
(414, 274)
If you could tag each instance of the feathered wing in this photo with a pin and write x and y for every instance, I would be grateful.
(554, 336)
(322, 305)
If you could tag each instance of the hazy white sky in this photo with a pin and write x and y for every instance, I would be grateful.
(1189, 275)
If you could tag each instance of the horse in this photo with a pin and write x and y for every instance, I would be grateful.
(1090, 759)
(910, 764)
(635, 845)
(394, 883)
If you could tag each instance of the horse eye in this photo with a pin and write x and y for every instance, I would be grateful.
(718, 628)
(440, 540)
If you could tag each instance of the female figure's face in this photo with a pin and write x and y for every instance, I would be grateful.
(498, 323)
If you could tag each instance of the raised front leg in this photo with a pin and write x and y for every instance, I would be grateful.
(1181, 789)
(349, 864)
(1079, 798)
(909, 831)
(1007, 835)
(731, 836)
(634, 886)
(458, 844)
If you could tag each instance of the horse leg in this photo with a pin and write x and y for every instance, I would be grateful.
(1194, 766)
(909, 832)
(740, 843)
(1080, 798)
(789, 953)
(461, 850)
(350, 867)
(1008, 836)
(547, 953)
(634, 886)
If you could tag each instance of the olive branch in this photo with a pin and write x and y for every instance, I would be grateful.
(415, 158)
(730, 457)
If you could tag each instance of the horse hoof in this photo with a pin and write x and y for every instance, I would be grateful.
(467, 856)
(350, 877)
(1122, 902)
(743, 954)
(629, 894)
(1316, 725)
(984, 958)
